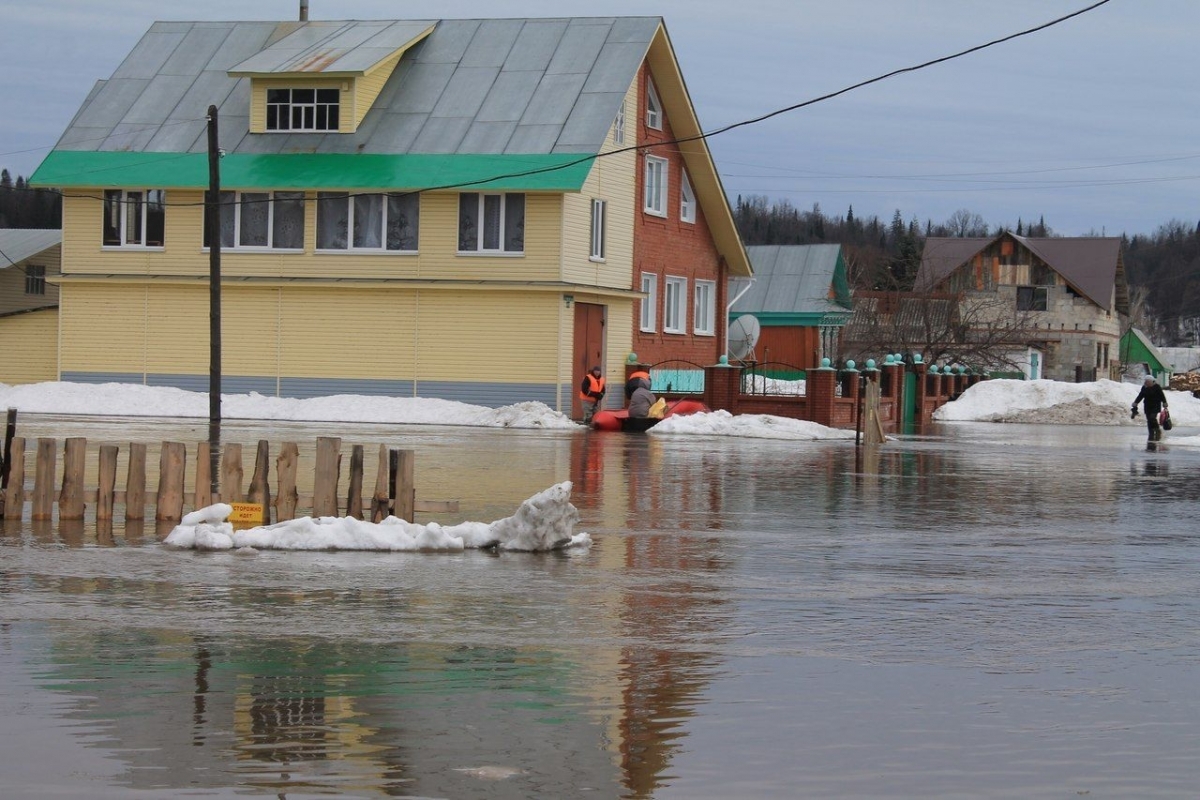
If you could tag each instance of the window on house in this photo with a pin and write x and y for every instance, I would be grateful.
(599, 208)
(261, 220)
(35, 280)
(687, 199)
(648, 321)
(491, 223)
(654, 115)
(674, 305)
(619, 124)
(1031, 298)
(656, 186)
(303, 109)
(704, 313)
(134, 218)
(378, 222)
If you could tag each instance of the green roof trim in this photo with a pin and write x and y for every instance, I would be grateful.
(552, 172)
(807, 319)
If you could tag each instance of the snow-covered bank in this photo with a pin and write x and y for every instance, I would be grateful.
(126, 399)
(543, 522)
(750, 426)
(1101, 402)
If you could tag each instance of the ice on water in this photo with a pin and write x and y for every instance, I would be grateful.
(545, 521)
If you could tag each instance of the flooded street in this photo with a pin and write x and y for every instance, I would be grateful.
(1004, 611)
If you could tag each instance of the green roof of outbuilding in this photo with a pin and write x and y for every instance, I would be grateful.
(550, 172)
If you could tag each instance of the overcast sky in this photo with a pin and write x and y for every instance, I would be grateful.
(1091, 123)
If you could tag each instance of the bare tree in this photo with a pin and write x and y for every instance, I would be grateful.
(963, 223)
(978, 329)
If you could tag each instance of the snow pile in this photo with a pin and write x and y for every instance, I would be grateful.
(545, 521)
(751, 426)
(128, 399)
(1101, 402)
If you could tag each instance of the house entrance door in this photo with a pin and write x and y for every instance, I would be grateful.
(588, 349)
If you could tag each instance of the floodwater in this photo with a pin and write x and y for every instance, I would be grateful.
(991, 611)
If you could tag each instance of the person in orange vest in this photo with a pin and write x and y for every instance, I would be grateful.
(591, 391)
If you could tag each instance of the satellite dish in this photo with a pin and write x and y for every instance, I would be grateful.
(743, 335)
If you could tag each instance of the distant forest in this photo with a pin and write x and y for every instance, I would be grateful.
(1163, 267)
(23, 207)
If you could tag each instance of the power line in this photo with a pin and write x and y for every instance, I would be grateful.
(755, 120)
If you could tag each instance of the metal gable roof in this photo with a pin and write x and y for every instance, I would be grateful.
(1089, 264)
(18, 244)
(334, 47)
(792, 278)
(531, 86)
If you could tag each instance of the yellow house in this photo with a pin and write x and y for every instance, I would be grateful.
(29, 265)
(428, 208)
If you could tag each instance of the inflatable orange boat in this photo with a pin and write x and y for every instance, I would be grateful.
(621, 421)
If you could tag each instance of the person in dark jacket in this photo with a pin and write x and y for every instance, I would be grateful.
(632, 382)
(1153, 400)
(591, 392)
(641, 399)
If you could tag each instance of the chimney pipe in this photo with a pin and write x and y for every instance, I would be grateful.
(304, 10)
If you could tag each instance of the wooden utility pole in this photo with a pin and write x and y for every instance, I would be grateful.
(213, 231)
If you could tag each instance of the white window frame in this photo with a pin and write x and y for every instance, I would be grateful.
(313, 117)
(649, 317)
(481, 210)
(675, 305)
(619, 124)
(704, 309)
(121, 202)
(239, 202)
(351, 210)
(599, 228)
(654, 194)
(35, 279)
(654, 115)
(687, 199)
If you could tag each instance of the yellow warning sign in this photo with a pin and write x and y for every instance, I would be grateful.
(251, 513)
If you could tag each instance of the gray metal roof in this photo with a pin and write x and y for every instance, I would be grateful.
(790, 279)
(471, 86)
(18, 244)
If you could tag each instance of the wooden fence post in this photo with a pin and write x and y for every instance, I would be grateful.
(380, 506)
(171, 467)
(14, 493)
(404, 492)
(135, 482)
(203, 497)
(70, 500)
(232, 474)
(260, 484)
(285, 468)
(325, 478)
(354, 507)
(107, 481)
(43, 479)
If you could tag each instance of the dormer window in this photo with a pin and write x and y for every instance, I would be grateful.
(653, 107)
(303, 109)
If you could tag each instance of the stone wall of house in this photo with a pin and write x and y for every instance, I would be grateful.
(1075, 330)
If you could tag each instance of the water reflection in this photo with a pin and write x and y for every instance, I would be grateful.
(908, 606)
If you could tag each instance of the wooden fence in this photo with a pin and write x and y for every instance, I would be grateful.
(393, 493)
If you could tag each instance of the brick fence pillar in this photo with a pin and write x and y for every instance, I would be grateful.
(821, 388)
(722, 387)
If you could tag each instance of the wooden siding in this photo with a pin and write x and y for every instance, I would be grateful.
(30, 347)
(611, 179)
(184, 255)
(350, 333)
(368, 87)
(12, 283)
